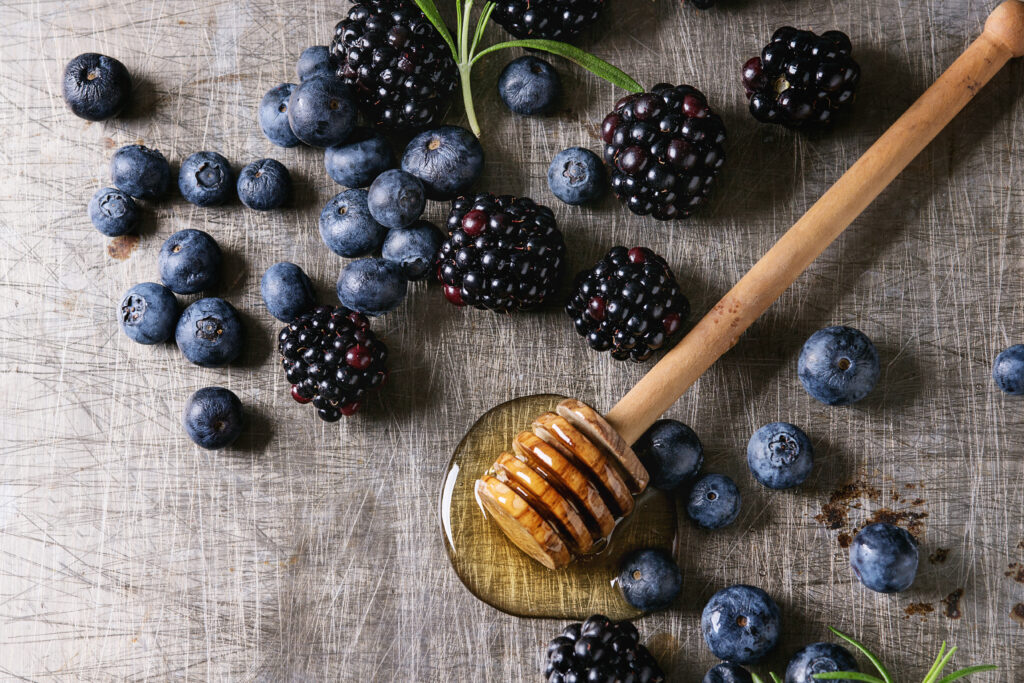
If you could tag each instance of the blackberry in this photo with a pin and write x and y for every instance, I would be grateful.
(664, 149)
(502, 253)
(600, 650)
(629, 303)
(801, 79)
(550, 19)
(332, 359)
(402, 72)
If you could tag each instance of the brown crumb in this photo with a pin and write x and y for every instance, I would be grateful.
(122, 247)
(952, 604)
(918, 608)
(912, 521)
(1016, 571)
(939, 556)
(834, 513)
(1017, 613)
(918, 501)
(844, 540)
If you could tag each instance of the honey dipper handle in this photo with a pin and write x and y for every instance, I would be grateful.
(719, 330)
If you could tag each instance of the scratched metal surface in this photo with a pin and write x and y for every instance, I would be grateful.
(311, 551)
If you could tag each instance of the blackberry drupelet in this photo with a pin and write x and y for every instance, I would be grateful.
(600, 650)
(664, 148)
(502, 253)
(801, 79)
(551, 19)
(402, 72)
(333, 359)
(629, 303)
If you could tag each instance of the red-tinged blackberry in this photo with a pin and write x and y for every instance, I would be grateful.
(801, 80)
(550, 19)
(399, 66)
(629, 304)
(664, 148)
(600, 650)
(332, 359)
(502, 253)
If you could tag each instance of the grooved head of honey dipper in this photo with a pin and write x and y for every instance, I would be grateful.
(1006, 24)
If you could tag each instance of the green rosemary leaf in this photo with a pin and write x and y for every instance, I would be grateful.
(754, 677)
(886, 676)
(774, 677)
(591, 63)
(430, 10)
(848, 676)
(967, 672)
(935, 670)
(943, 662)
(481, 24)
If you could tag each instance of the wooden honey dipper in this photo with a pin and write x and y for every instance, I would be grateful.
(574, 476)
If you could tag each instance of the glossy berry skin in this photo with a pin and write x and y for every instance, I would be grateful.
(664, 149)
(113, 212)
(726, 672)
(780, 455)
(314, 61)
(838, 365)
(189, 261)
(741, 624)
(206, 179)
(600, 650)
(629, 303)
(273, 116)
(447, 160)
(140, 171)
(264, 185)
(529, 86)
(414, 248)
(1008, 370)
(360, 159)
(321, 111)
(649, 579)
(577, 176)
(801, 79)
(209, 333)
(213, 418)
(96, 87)
(554, 19)
(819, 658)
(287, 291)
(148, 313)
(396, 199)
(372, 286)
(884, 557)
(671, 453)
(347, 227)
(714, 501)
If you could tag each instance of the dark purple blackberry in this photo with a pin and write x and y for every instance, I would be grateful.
(629, 304)
(600, 650)
(332, 359)
(397, 63)
(502, 253)
(664, 149)
(550, 19)
(801, 80)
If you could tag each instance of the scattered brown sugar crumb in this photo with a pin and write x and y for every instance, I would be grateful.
(844, 540)
(1017, 613)
(939, 556)
(918, 501)
(912, 521)
(918, 608)
(834, 513)
(122, 247)
(1020, 544)
(1016, 571)
(952, 604)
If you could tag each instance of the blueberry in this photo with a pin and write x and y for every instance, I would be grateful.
(838, 365)
(273, 116)
(314, 61)
(113, 212)
(884, 557)
(347, 227)
(714, 501)
(414, 248)
(741, 624)
(577, 176)
(396, 199)
(209, 333)
(1008, 370)
(287, 291)
(140, 171)
(189, 261)
(213, 417)
(321, 111)
(372, 286)
(206, 179)
(264, 185)
(671, 453)
(148, 313)
(96, 87)
(649, 579)
(819, 658)
(727, 672)
(447, 161)
(780, 455)
(360, 159)
(529, 86)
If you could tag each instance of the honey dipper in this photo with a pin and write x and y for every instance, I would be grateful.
(552, 496)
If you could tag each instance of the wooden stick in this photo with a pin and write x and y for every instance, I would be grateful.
(719, 330)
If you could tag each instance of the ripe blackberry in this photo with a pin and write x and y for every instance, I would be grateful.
(801, 79)
(664, 149)
(332, 359)
(502, 253)
(629, 303)
(550, 19)
(600, 650)
(400, 68)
